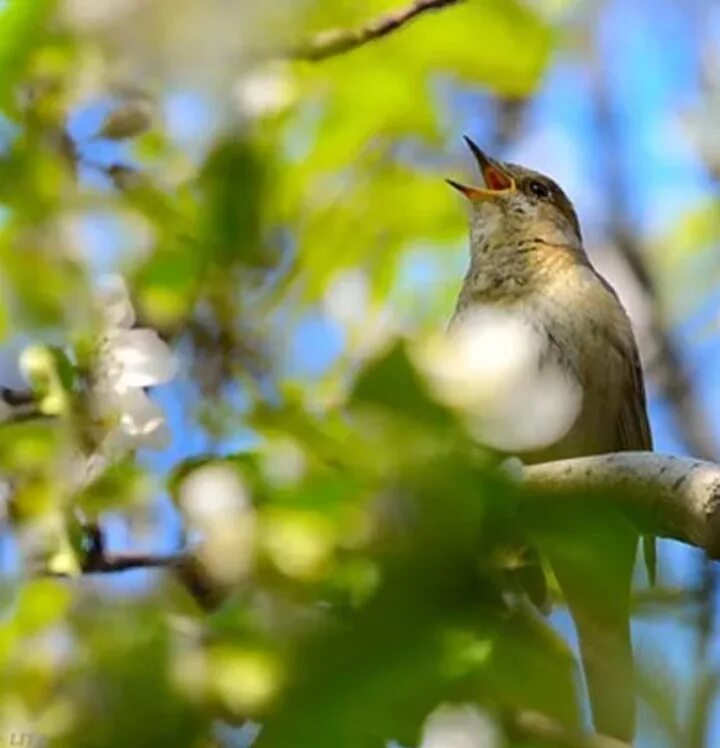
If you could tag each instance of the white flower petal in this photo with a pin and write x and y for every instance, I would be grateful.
(488, 368)
(143, 359)
(128, 360)
(211, 493)
(81, 469)
(347, 298)
(142, 422)
(216, 504)
(264, 93)
(459, 726)
(114, 302)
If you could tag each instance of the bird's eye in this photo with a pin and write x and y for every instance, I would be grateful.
(539, 189)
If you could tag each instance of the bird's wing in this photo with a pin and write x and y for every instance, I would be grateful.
(633, 428)
(633, 432)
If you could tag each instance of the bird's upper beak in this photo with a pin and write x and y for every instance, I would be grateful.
(496, 180)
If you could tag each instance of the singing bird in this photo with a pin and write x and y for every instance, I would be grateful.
(527, 259)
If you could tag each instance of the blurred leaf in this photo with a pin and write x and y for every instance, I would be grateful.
(23, 24)
(232, 182)
(122, 485)
(167, 285)
(41, 603)
(127, 665)
(349, 191)
(393, 384)
(383, 671)
(686, 260)
(28, 446)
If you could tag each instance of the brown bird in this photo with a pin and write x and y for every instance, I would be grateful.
(527, 260)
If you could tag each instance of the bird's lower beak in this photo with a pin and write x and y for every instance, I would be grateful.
(496, 180)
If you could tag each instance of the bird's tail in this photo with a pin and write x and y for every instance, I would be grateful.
(649, 544)
(594, 570)
(606, 652)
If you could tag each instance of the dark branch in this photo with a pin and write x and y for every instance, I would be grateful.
(108, 563)
(674, 497)
(337, 41)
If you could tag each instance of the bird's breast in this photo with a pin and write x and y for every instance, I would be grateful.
(569, 377)
(586, 335)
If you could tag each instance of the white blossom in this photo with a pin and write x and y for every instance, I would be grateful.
(459, 726)
(283, 462)
(217, 507)
(127, 361)
(487, 368)
(264, 92)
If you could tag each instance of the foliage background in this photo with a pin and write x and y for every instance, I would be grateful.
(284, 225)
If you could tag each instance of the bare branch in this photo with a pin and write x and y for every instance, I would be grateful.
(185, 565)
(109, 563)
(670, 496)
(338, 41)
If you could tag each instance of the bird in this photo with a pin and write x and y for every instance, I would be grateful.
(527, 259)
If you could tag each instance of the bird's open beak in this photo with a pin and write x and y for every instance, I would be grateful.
(496, 180)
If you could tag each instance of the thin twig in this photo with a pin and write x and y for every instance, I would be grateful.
(108, 563)
(338, 41)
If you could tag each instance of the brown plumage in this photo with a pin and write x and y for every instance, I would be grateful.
(527, 259)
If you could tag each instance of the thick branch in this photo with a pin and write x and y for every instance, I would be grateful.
(337, 41)
(670, 496)
(674, 497)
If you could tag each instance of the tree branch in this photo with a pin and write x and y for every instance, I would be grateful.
(337, 41)
(675, 497)
(109, 563)
(670, 496)
(185, 565)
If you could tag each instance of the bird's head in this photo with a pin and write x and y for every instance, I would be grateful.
(516, 208)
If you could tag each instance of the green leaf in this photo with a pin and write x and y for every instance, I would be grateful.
(41, 603)
(23, 23)
(392, 384)
(232, 184)
(348, 190)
